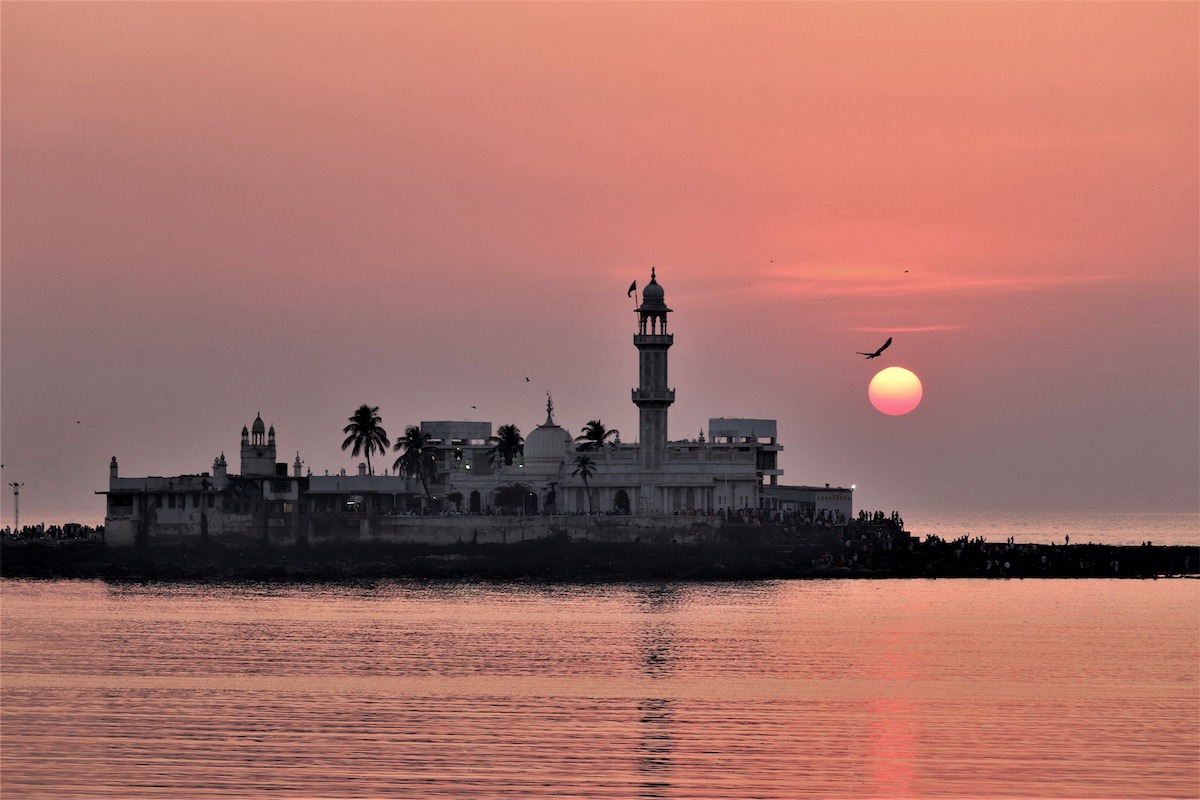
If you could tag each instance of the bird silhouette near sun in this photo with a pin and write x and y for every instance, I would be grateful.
(894, 390)
(882, 347)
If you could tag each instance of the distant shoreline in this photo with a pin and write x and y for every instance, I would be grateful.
(563, 561)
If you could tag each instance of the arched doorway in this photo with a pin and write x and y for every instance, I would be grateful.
(621, 502)
(474, 507)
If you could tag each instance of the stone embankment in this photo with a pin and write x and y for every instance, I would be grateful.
(737, 553)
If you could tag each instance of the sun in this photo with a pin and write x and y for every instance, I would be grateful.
(895, 391)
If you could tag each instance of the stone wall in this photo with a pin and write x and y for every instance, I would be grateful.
(249, 530)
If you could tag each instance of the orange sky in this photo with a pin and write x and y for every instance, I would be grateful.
(215, 209)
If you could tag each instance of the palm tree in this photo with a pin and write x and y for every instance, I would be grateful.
(366, 434)
(585, 468)
(506, 444)
(417, 457)
(595, 436)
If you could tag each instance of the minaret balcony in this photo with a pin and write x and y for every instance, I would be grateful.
(652, 396)
(653, 339)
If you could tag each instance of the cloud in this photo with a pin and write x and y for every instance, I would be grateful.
(859, 281)
(909, 329)
(842, 281)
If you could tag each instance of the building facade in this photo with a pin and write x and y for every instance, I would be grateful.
(733, 469)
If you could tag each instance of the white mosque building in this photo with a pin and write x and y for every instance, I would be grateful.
(735, 468)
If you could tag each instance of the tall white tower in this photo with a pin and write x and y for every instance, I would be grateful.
(653, 397)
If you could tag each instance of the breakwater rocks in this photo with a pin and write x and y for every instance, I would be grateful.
(752, 555)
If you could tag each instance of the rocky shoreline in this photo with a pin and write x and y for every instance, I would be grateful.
(566, 561)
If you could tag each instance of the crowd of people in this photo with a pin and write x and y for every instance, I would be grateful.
(72, 531)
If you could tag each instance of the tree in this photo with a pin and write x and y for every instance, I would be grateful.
(366, 434)
(506, 444)
(456, 497)
(585, 468)
(513, 496)
(417, 456)
(595, 436)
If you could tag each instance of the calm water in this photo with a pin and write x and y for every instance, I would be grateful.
(1044, 527)
(832, 689)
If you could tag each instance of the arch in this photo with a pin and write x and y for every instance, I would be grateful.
(475, 505)
(676, 499)
(690, 499)
(580, 501)
(621, 502)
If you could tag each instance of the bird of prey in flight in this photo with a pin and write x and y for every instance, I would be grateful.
(880, 350)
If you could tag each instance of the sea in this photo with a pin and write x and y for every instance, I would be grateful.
(1085, 688)
(1052, 527)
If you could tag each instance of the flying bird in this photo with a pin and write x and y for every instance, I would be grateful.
(880, 350)
(527, 380)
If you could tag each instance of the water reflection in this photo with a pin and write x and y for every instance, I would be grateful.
(854, 689)
(892, 728)
(656, 746)
(656, 636)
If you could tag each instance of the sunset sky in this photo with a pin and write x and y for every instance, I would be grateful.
(215, 209)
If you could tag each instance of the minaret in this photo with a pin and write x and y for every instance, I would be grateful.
(653, 397)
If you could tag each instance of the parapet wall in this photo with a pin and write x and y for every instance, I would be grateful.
(505, 530)
(248, 531)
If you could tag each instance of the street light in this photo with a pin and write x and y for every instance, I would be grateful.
(16, 507)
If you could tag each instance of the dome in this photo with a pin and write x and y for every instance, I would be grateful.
(548, 442)
(652, 295)
(258, 427)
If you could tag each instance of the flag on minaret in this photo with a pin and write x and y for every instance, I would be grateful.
(632, 289)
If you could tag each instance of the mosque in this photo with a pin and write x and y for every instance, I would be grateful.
(734, 468)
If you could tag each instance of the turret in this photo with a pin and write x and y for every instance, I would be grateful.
(112, 468)
(258, 452)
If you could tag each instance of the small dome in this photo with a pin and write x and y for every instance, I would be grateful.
(548, 442)
(258, 426)
(652, 295)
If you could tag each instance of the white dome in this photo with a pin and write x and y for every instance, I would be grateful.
(548, 442)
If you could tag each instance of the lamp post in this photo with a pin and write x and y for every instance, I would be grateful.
(16, 507)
